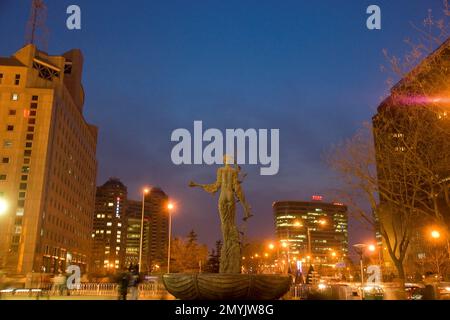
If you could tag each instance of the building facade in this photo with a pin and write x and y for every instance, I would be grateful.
(47, 163)
(314, 231)
(155, 232)
(413, 123)
(109, 227)
(117, 229)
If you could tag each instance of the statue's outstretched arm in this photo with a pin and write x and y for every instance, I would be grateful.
(210, 188)
(240, 195)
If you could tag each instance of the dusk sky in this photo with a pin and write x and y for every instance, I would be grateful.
(308, 68)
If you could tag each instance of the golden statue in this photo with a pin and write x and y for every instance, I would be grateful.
(230, 185)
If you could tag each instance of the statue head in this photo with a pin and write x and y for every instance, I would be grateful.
(228, 160)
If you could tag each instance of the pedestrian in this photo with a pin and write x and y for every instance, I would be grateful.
(134, 283)
(123, 282)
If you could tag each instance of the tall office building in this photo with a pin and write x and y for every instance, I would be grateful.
(133, 233)
(414, 117)
(109, 227)
(47, 163)
(156, 223)
(313, 230)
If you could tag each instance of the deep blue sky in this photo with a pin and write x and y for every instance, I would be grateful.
(309, 68)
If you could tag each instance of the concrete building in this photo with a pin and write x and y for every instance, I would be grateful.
(417, 105)
(313, 231)
(109, 227)
(117, 229)
(48, 163)
(156, 223)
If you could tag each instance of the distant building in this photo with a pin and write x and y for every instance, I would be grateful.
(155, 239)
(48, 163)
(313, 230)
(109, 227)
(117, 229)
(133, 233)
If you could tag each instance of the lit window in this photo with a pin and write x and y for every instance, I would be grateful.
(15, 97)
(108, 231)
(110, 204)
(109, 224)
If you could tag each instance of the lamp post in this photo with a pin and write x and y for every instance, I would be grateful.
(170, 207)
(145, 192)
(360, 250)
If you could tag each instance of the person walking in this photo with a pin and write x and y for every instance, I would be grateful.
(134, 283)
(123, 281)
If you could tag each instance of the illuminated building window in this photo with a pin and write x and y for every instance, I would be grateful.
(109, 224)
(108, 231)
(110, 204)
(15, 97)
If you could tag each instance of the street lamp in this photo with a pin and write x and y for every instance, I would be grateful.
(170, 207)
(3, 206)
(360, 250)
(435, 234)
(145, 192)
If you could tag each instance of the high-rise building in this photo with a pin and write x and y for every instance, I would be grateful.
(109, 227)
(133, 233)
(47, 163)
(414, 117)
(155, 239)
(313, 230)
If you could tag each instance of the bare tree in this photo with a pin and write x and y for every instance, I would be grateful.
(400, 166)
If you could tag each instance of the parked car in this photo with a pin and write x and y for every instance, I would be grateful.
(414, 291)
(444, 290)
(373, 292)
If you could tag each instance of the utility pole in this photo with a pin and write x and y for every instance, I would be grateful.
(36, 26)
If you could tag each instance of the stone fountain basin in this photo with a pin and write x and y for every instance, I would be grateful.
(227, 286)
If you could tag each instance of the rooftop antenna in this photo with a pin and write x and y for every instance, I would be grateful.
(36, 27)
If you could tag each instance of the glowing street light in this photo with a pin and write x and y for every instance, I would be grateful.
(3, 206)
(371, 248)
(271, 246)
(170, 207)
(435, 234)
